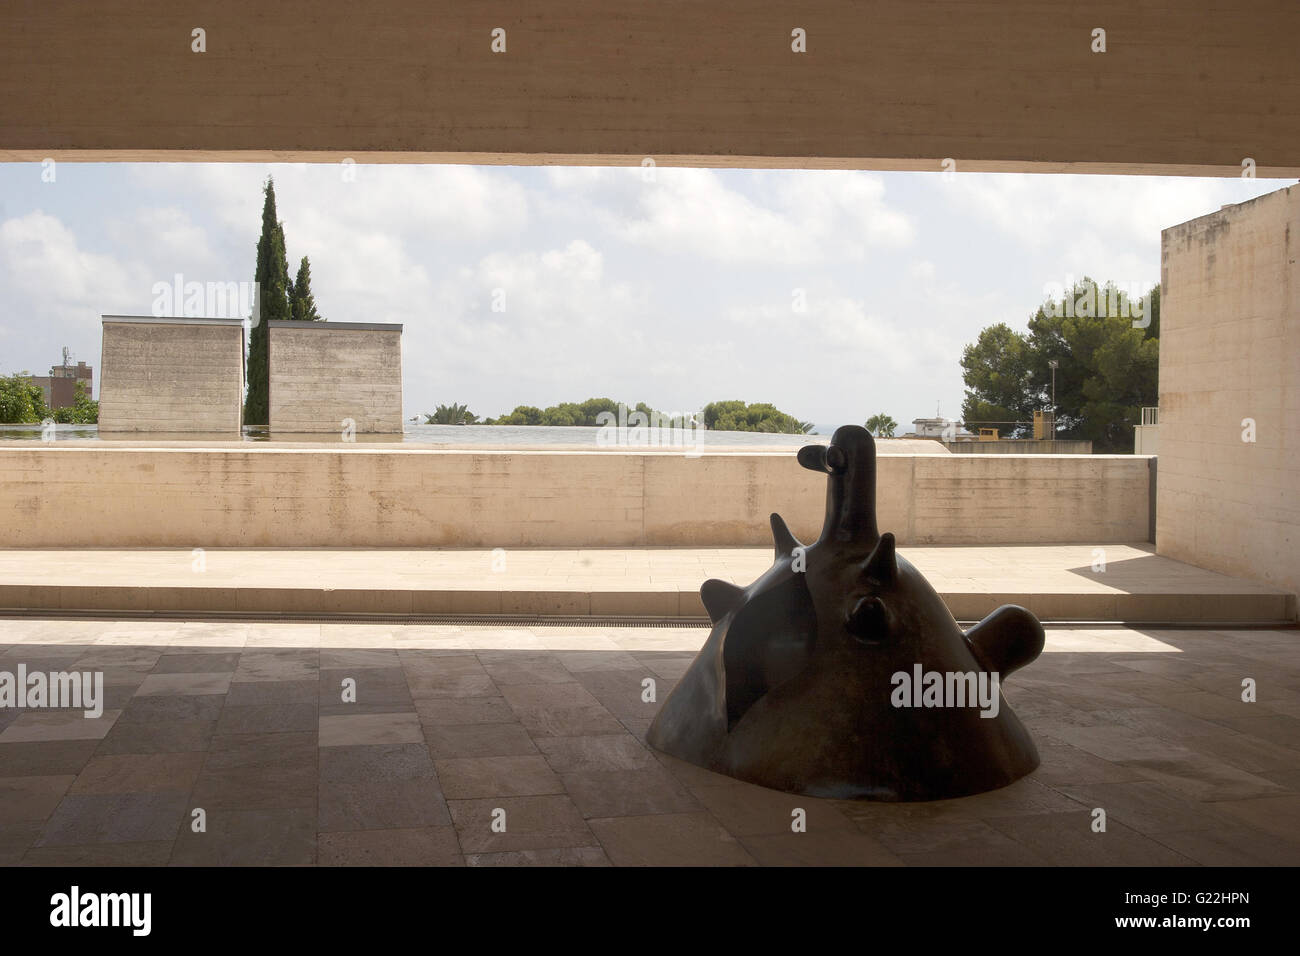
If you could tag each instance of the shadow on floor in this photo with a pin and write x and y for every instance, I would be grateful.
(279, 743)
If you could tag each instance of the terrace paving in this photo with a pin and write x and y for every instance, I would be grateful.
(453, 724)
(1056, 582)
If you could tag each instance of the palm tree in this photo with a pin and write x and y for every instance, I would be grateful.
(452, 414)
(881, 426)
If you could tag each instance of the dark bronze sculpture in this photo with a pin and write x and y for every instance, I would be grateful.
(841, 673)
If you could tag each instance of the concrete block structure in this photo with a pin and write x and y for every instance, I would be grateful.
(1230, 390)
(324, 374)
(171, 375)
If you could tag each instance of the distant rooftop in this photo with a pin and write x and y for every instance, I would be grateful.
(335, 326)
(166, 320)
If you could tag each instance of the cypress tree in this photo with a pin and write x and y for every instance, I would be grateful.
(304, 303)
(272, 276)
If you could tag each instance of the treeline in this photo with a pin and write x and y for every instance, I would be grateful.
(732, 416)
(23, 402)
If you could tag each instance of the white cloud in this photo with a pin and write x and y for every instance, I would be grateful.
(566, 329)
(1051, 212)
(43, 268)
(792, 217)
(448, 203)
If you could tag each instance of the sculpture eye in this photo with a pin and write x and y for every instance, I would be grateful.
(869, 620)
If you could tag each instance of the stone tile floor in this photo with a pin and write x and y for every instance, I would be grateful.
(455, 727)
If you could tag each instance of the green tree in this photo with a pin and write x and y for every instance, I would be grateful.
(522, 415)
(566, 413)
(21, 400)
(272, 277)
(452, 414)
(725, 416)
(1107, 367)
(881, 426)
(592, 408)
(996, 370)
(303, 303)
(736, 416)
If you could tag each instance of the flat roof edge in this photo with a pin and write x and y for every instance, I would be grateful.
(355, 326)
(165, 320)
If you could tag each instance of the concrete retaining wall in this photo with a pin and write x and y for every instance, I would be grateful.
(91, 495)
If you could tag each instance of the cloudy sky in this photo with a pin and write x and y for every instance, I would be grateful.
(833, 295)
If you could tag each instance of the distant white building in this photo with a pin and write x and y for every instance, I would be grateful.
(944, 429)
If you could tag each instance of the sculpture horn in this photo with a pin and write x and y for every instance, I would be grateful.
(784, 540)
(720, 598)
(881, 568)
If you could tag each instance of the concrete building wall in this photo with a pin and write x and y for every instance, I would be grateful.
(893, 84)
(172, 375)
(1230, 351)
(354, 496)
(323, 373)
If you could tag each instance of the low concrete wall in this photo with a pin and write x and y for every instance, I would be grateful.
(89, 495)
(323, 373)
(1009, 446)
(171, 375)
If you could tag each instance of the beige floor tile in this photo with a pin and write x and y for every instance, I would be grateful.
(42, 725)
(450, 711)
(530, 823)
(103, 854)
(265, 837)
(749, 810)
(559, 710)
(609, 752)
(1068, 839)
(560, 856)
(468, 778)
(423, 846)
(344, 731)
(1278, 815)
(479, 740)
(32, 798)
(184, 684)
(670, 839)
(140, 773)
(1234, 846)
(623, 793)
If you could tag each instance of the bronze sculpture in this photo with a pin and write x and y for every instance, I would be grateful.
(841, 673)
